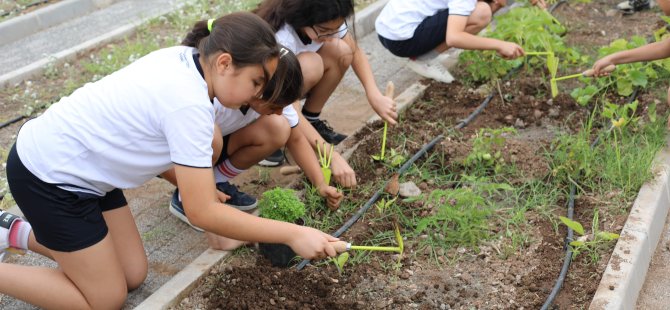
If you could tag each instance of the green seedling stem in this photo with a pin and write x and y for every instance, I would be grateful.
(325, 159)
(390, 89)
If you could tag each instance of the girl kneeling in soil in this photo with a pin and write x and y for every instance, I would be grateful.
(245, 136)
(68, 166)
(422, 29)
(316, 31)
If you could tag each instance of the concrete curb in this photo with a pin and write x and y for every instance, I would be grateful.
(21, 26)
(37, 67)
(627, 268)
(183, 282)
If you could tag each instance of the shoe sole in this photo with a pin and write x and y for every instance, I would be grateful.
(244, 208)
(267, 163)
(183, 217)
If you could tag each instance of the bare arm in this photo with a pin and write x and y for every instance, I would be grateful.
(458, 37)
(203, 210)
(653, 51)
(383, 106)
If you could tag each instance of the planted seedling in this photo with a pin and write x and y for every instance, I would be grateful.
(325, 159)
(340, 261)
(383, 204)
(589, 243)
(390, 89)
(281, 205)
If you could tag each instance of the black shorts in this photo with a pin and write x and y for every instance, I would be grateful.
(428, 35)
(224, 151)
(64, 221)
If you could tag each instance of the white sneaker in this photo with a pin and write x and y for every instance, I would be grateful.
(432, 69)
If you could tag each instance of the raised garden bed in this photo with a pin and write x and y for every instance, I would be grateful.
(484, 233)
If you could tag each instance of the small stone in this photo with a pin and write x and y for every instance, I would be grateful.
(611, 13)
(537, 113)
(404, 276)
(423, 186)
(509, 118)
(554, 112)
(409, 189)
(611, 287)
(550, 102)
(272, 301)
(519, 123)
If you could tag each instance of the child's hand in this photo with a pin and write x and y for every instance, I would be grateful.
(312, 243)
(539, 3)
(601, 64)
(332, 195)
(222, 196)
(342, 172)
(384, 107)
(509, 50)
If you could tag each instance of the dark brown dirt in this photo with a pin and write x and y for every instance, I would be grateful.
(495, 275)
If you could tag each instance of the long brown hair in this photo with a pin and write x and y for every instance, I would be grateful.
(246, 37)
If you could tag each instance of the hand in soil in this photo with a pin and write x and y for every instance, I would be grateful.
(332, 195)
(312, 243)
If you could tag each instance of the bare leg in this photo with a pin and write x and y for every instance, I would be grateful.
(336, 56)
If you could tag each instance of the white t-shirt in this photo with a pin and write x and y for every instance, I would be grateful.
(231, 120)
(400, 18)
(125, 129)
(289, 38)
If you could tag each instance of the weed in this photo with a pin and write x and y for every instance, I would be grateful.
(589, 243)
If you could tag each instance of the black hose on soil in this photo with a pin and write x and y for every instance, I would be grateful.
(11, 121)
(420, 153)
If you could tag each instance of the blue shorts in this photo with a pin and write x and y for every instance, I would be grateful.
(63, 221)
(428, 35)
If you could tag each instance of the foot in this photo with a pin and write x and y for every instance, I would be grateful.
(432, 69)
(275, 159)
(238, 200)
(7, 220)
(327, 132)
(632, 6)
(177, 209)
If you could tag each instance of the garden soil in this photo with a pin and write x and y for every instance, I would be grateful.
(456, 278)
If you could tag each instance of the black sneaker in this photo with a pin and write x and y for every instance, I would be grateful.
(327, 132)
(177, 209)
(238, 200)
(275, 159)
(632, 6)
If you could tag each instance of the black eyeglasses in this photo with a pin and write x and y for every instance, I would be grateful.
(331, 34)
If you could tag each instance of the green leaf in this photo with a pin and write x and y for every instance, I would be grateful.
(572, 224)
(607, 235)
(624, 87)
(577, 243)
(341, 260)
(638, 78)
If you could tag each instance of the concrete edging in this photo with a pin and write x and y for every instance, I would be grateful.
(627, 268)
(183, 282)
(22, 26)
(37, 67)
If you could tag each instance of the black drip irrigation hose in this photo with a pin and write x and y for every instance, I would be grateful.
(12, 121)
(420, 153)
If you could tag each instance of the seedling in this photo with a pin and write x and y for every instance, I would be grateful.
(340, 261)
(325, 159)
(589, 243)
(342, 246)
(390, 88)
(383, 204)
(552, 66)
(587, 73)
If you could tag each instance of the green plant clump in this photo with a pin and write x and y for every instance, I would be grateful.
(281, 205)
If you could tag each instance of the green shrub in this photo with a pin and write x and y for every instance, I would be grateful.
(281, 205)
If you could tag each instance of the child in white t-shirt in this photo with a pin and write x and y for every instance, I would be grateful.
(422, 29)
(245, 136)
(317, 32)
(68, 166)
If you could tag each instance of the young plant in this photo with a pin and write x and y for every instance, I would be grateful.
(384, 204)
(588, 243)
(484, 155)
(389, 93)
(340, 261)
(282, 205)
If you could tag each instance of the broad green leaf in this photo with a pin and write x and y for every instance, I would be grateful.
(572, 224)
(624, 87)
(607, 235)
(638, 78)
(342, 259)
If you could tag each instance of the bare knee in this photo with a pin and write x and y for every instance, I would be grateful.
(337, 52)
(136, 276)
(276, 131)
(312, 69)
(480, 18)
